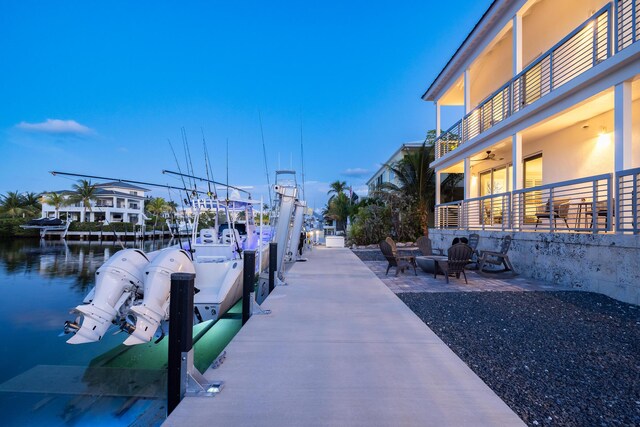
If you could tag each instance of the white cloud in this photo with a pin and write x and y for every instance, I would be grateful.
(56, 126)
(355, 172)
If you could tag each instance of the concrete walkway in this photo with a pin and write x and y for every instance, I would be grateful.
(340, 349)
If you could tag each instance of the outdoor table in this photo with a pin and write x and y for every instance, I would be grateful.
(435, 258)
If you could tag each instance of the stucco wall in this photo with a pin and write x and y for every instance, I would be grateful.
(607, 264)
(549, 21)
(492, 69)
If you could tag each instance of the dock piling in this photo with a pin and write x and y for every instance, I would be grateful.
(180, 336)
(273, 265)
(248, 283)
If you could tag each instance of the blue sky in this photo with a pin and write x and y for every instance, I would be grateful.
(99, 87)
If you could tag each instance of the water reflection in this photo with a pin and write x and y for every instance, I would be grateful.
(43, 380)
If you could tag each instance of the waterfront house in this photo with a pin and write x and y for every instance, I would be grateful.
(384, 174)
(115, 202)
(549, 140)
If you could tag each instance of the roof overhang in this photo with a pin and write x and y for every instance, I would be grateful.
(490, 20)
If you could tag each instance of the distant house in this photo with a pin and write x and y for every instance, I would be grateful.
(384, 174)
(115, 202)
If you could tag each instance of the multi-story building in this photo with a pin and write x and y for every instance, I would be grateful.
(114, 202)
(384, 174)
(549, 143)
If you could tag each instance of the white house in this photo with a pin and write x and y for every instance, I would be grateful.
(549, 143)
(384, 173)
(115, 202)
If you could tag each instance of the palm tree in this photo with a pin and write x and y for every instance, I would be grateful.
(336, 188)
(416, 181)
(31, 203)
(12, 204)
(85, 193)
(56, 200)
(156, 207)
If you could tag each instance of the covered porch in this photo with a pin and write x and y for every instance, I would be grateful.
(577, 171)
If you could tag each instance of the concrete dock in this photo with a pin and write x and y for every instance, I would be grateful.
(340, 349)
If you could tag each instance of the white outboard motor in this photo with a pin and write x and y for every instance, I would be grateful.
(157, 290)
(117, 281)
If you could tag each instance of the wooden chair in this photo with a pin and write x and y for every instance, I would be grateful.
(560, 210)
(459, 255)
(397, 253)
(498, 258)
(424, 244)
(401, 263)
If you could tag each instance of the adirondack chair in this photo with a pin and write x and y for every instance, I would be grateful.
(498, 258)
(424, 244)
(459, 255)
(401, 263)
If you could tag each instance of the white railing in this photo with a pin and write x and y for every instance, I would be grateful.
(583, 204)
(579, 205)
(627, 23)
(627, 206)
(582, 49)
(488, 212)
(447, 215)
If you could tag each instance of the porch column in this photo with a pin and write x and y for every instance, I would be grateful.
(622, 127)
(517, 178)
(438, 184)
(467, 91)
(467, 178)
(516, 155)
(517, 43)
(437, 119)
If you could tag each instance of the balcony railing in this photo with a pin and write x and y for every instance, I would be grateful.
(627, 206)
(579, 205)
(628, 23)
(582, 49)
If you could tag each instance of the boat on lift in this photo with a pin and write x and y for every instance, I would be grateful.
(133, 288)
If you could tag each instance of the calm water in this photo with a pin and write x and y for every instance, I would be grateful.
(43, 380)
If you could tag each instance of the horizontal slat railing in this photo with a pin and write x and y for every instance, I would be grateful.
(490, 212)
(579, 205)
(448, 215)
(583, 204)
(627, 23)
(627, 204)
(582, 49)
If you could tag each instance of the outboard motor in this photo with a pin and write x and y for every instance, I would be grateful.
(117, 281)
(157, 288)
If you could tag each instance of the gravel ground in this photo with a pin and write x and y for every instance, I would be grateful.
(556, 358)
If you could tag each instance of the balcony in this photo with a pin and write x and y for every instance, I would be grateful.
(601, 203)
(582, 49)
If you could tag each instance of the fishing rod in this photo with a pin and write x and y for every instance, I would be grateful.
(205, 180)
(128, 181)
(302, 159)
(264, 152)
(207, 166)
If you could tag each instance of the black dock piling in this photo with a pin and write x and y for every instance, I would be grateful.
(248, 283)
(273, 265)
(180, 336)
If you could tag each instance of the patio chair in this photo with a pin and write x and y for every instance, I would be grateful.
(396, 252)
(459, 255)
(424, 244)
(601, 211)
(560, 210)
(498, 258)
(401, 263)
(474, 239)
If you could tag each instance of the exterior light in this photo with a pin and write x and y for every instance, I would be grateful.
(604, 138)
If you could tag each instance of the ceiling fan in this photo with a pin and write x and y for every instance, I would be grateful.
(489, 156)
